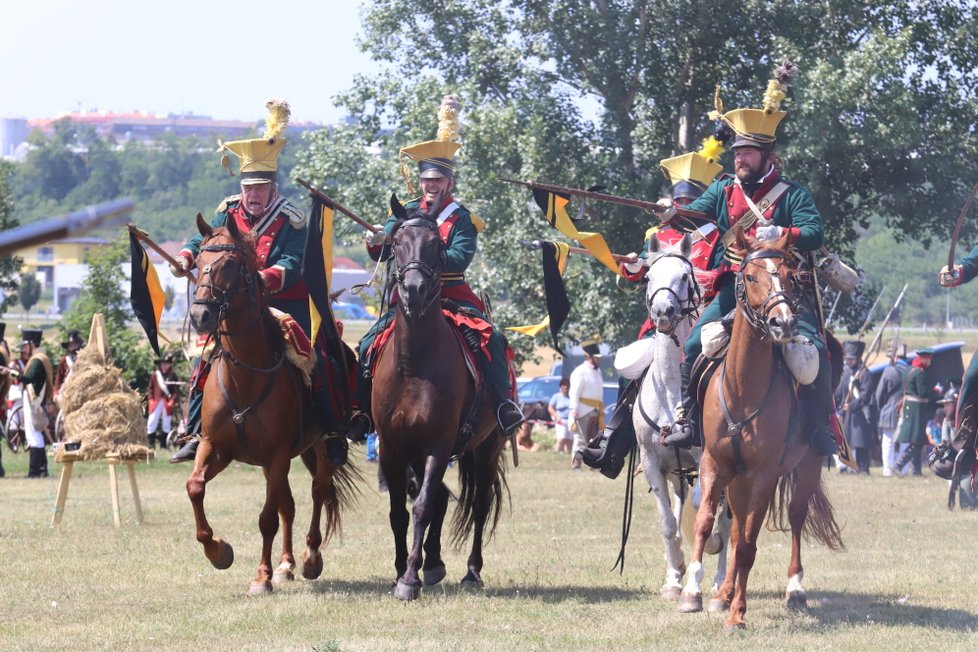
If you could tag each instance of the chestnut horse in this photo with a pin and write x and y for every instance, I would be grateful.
(256, 410)
(422, 392)
(753, 439)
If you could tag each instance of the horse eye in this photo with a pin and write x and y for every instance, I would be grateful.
(750, 278)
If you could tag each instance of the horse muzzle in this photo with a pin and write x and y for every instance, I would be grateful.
(204, 317)
(782, 329)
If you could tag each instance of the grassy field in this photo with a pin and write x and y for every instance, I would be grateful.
(905, 583)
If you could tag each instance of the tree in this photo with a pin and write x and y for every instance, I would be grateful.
(102, 291)
(30, 292)
(884, 89)
(9, 265)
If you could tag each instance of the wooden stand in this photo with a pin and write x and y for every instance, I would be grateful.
(69, 459)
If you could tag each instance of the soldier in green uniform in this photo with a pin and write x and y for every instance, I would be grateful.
(964, 270)
(37, 378)
(764, 205)
(459, 229)
(918, 408)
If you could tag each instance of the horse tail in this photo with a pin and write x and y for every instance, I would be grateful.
(820, 520)
(483, 493)
(342, 492)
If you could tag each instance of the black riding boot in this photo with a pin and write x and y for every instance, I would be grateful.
(186, 453)
(685, 432)
(509, 416)
(195, 404)
(2, 472)
(619, 436)
(817, 401)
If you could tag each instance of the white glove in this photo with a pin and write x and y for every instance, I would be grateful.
(768, 233)
(375, 239)
(667, 214)
(637, 266)
(180, 268)
(951, 279)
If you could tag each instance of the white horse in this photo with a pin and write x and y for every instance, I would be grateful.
(671, 297)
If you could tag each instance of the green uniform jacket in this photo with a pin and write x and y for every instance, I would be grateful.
(795, 209)
(970, 265)
(915, 413)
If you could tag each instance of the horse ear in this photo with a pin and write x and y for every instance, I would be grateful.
(686, 246)
(232, 227)
(397, 208)
(202, 226)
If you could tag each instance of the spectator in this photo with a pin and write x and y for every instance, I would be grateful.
(586, 415)
(559, 410)
(889, 391)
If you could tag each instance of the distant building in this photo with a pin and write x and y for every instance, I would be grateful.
(13, 132)
(43, 259)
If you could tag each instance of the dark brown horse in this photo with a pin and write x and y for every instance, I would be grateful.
(256, 410)
(753, 441)
(422, 391)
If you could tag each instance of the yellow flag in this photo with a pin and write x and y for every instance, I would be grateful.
(554, 207)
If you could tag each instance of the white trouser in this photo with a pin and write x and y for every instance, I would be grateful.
(159, 412)
(35, 437)
(888, 449)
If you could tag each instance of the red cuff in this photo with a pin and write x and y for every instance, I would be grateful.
(793, 234)
(273, 278)
(374, 251)
(634, 277)
(186, 253)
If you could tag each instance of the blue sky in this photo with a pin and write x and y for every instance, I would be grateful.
(209, 57)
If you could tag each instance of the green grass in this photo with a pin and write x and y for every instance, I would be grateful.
(906, 582)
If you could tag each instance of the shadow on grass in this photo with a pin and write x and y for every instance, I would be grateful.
(845, 608)
(548, 594)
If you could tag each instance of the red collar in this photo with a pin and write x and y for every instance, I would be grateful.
(448, 200)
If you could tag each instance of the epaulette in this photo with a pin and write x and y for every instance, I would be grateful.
(297, 218)
(477, 222)
(226, 203)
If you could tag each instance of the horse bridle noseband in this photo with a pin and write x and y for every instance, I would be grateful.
(431, 275)
(688, 306)
(220, 297)
(757, 317)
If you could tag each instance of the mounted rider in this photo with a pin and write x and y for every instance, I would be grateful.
(459, 230)
(688, 176)
(279, 229)
(765, 205)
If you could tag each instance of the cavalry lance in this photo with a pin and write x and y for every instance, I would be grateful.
(618, 258)
(335, 205)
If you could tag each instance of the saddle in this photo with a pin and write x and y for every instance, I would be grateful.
(298, 349)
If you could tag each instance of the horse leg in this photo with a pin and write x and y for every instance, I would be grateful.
(276, 484)
(396, 475)
(485, 491)
(315, 460)
(208, 464)
(722, 536)
(434, 567)
(285, 571)
(807, 477)
(750, 506)
(668, 528)
(691, 599)
(408, 584)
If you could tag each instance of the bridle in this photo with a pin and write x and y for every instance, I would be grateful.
(430, 274)
(758, 317)
(688, 306)
(221, 298)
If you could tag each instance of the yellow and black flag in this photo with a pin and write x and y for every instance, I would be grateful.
(146, 293)
(558, 306)
(554, 207)
(317, 270)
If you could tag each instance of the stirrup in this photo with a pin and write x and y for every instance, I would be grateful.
(360, 425)
(186, 453)
(509, 416)
(682, 435)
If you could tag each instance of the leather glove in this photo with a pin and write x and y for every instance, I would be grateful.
(638, 266)
(952, 278)
(667, 214)
(375, 239)
(768, 233)
(180, 269)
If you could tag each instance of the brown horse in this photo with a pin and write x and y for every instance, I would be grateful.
(753, 440)
(421, 393)
(256, 410)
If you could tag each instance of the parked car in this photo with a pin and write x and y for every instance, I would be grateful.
(348, 311)
(534, 397)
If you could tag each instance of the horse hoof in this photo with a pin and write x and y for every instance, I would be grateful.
(730, 628)
(472, 582)
(312, 565)
(284, 573)
(225, 556)
(797, 600)
(670, 592)
(713, 545)
(717, 606)
(434, 575)
(690, 604)
(405, 591)
(260, 587)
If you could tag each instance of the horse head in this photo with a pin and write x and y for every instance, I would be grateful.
(672, 292)
(228, 275)
(766, 287)
(419, 257)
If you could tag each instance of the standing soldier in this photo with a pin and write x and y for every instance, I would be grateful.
(458, 229)
(854, 395)
(586, 416)
(918, 403)
(163, 395)
(37, 380)
(762, 204)
(71, 346)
